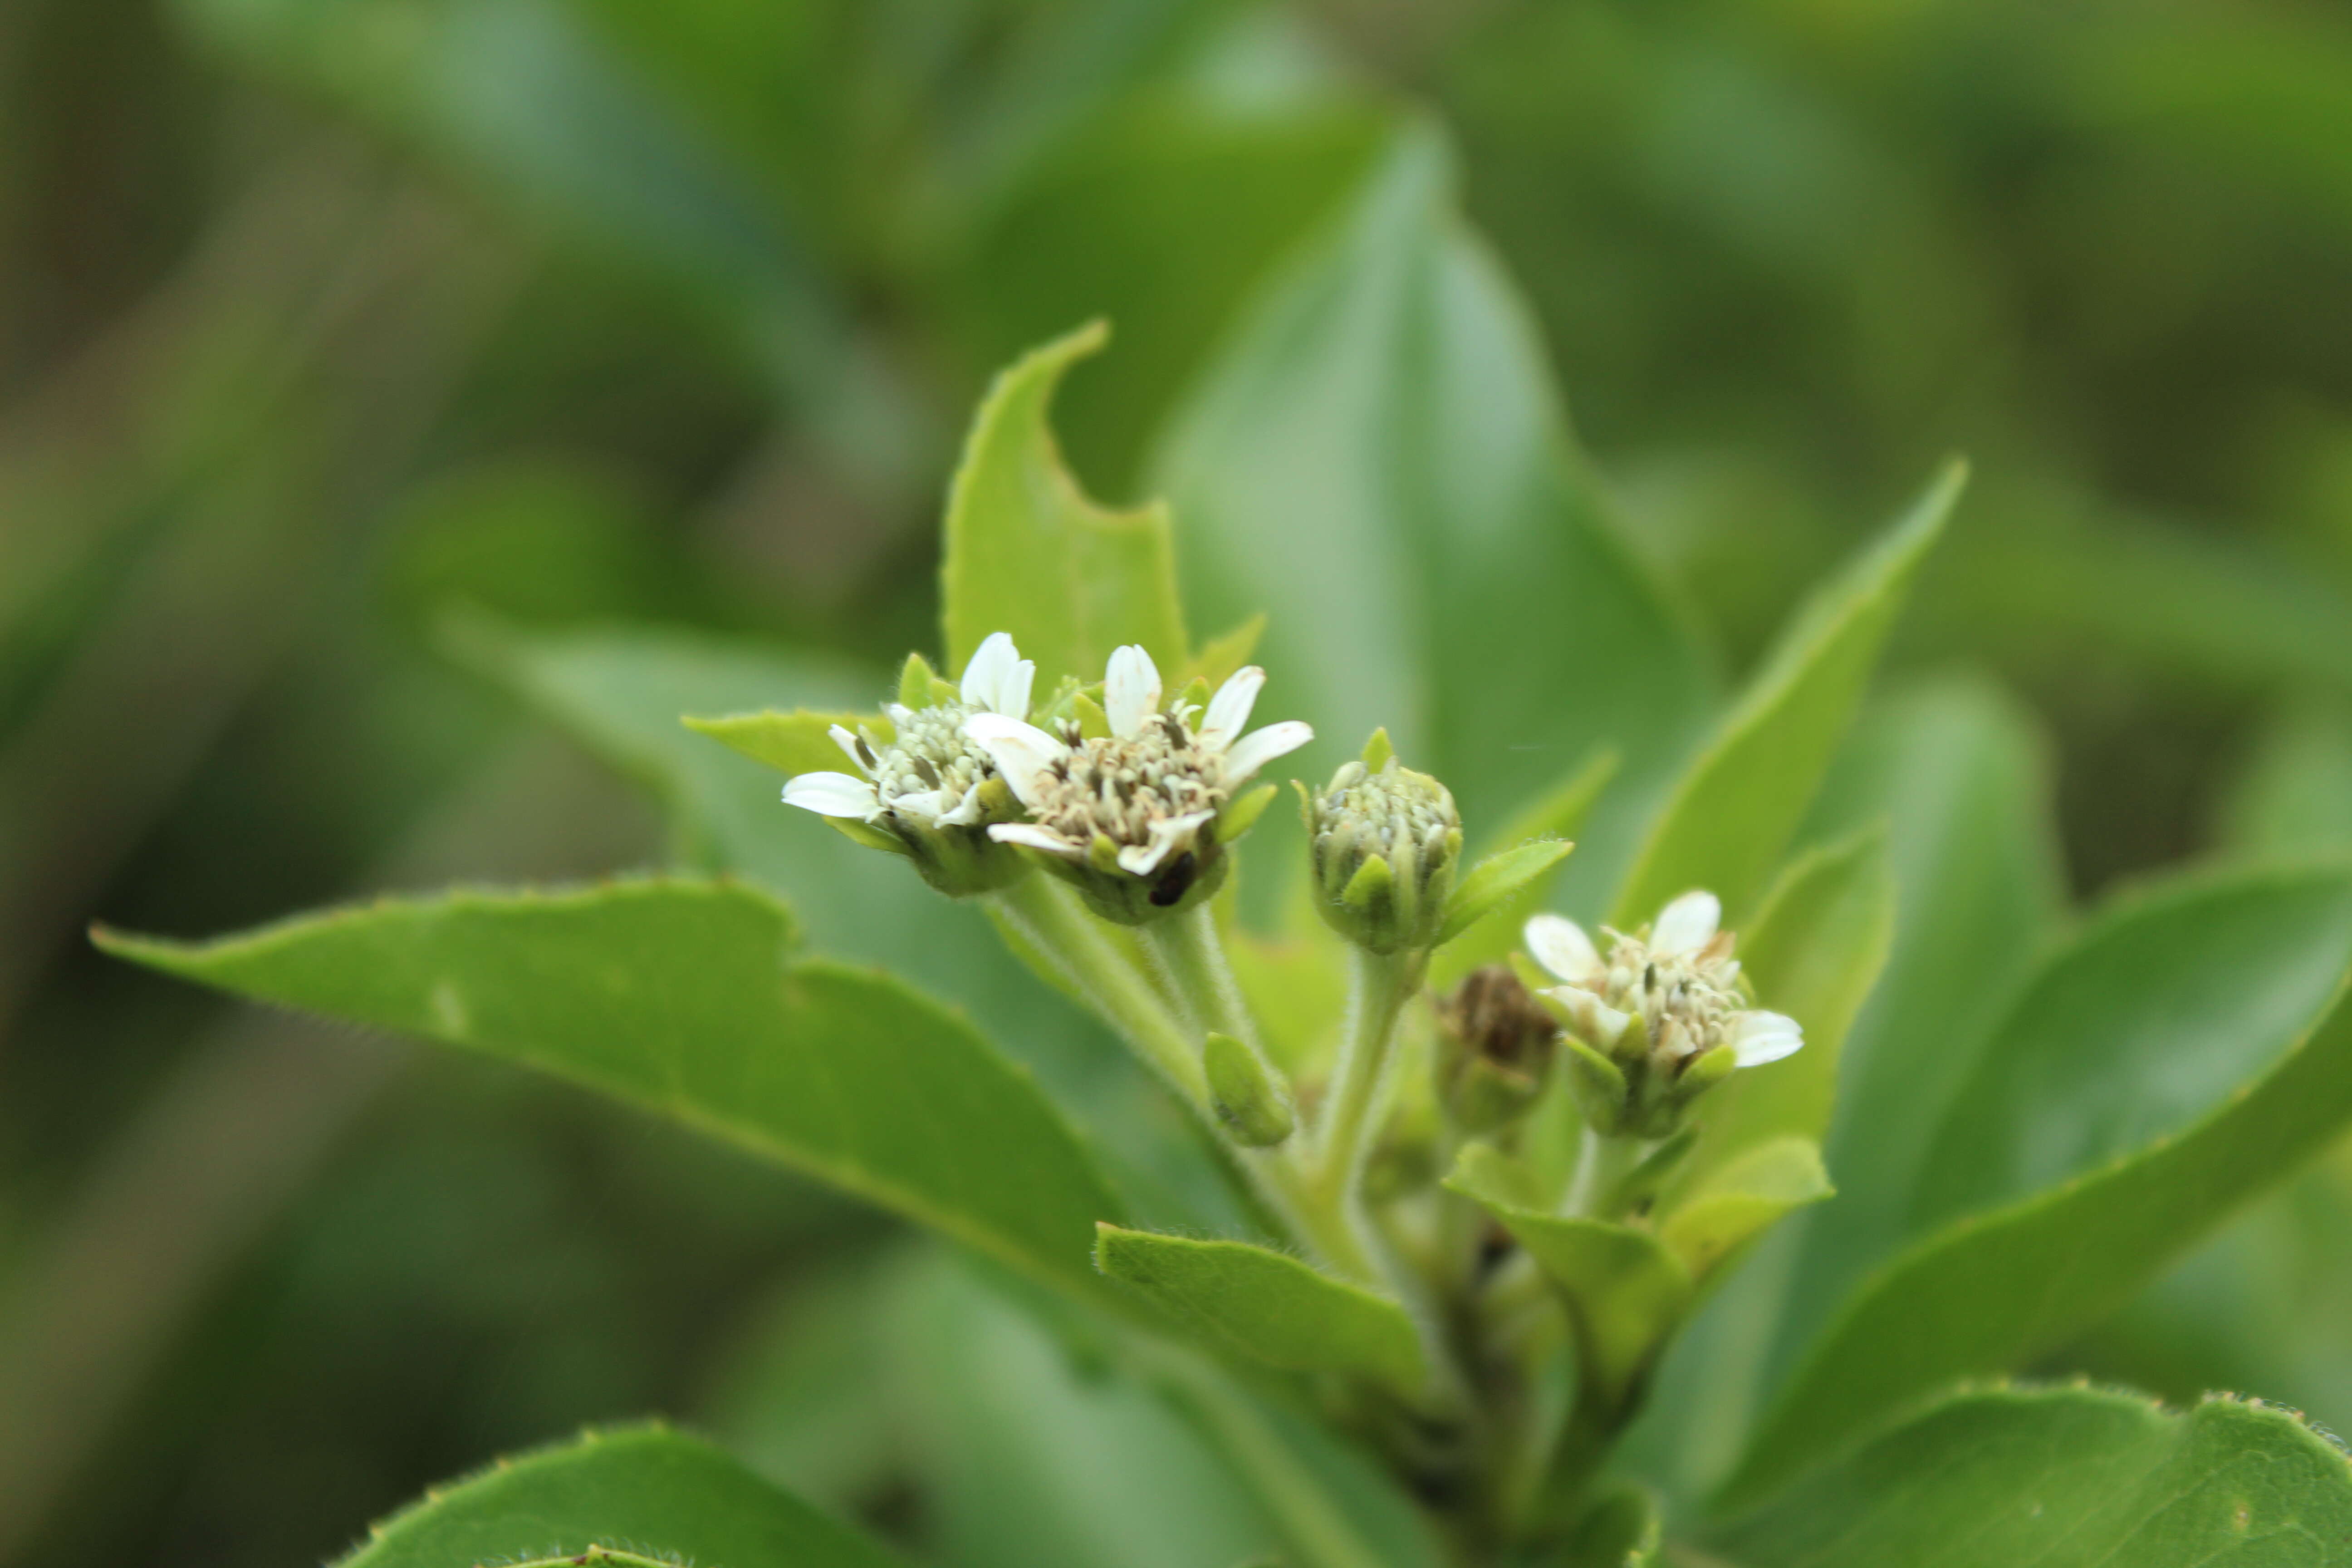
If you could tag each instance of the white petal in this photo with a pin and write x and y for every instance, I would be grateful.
(1034, 837)
(1131, 689)
(963, 812)
(923, 805)
(1766, 1038)
(998, 678)
(1561, 945)
(848, 743)
(833, 794)
(1229, 709)
(901, 715)
(1261, 747)
(1022, 751)
(1590, 1018)
(1687, 924)
(1169, 834)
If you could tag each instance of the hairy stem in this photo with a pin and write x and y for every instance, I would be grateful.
(1192, 956)
(1601, 1162)
(1049, 927)
(1380, 986)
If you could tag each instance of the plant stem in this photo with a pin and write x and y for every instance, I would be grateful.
(1050, 926)
(1380, 985)
(1192, 957)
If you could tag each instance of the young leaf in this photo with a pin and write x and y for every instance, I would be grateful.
(1269, 1306)
(2065, 1479)
(635, 1497)
(1380, 459)
(1741, 801)
(684, 997)
(1497, 879)
(1624, 1289)
(2235, 985)
(1559, 812)
(1028, 554)
(1734, 1202)
(1813, 952)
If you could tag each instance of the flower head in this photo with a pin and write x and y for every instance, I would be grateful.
(1136, 819)
(1667, 1006)
(1385, 842)
(1495, 1046)
(925, 789)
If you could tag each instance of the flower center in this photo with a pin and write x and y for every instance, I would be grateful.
(929, 753)
(1118, 786)
(1379, 811)
(1689, 998)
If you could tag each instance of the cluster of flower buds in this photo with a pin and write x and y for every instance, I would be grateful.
(1386, 841)
(1663, 1019)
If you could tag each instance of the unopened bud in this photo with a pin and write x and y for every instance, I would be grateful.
(1248, 1093)
(1495, 1050)
(1386, 843)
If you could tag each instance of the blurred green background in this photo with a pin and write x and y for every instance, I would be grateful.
(321, 320)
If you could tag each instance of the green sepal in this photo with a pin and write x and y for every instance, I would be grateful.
(1597, 1085)
(1094, 724)
(1496, 879)
(1102, 854)
(868, 835)
(1371, 889)
(1704, 1073)
(1250, 1097)
(916, 680)
(1240, 815)
(1193, 692)
(1485, 1095)
(1378, 750)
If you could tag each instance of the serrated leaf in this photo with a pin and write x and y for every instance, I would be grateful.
(1624, 1289)
(1380, 459)
(1739, 806)
(2065, 1478)
(2188, 1051)
(1814, 953)
(685, 998)
(1497, 879)
(1268, 1307)
(643, 1495)
(1028, 554)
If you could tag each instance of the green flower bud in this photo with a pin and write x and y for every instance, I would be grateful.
(1251, 1099)
(1386, 842)
(1495, 1047)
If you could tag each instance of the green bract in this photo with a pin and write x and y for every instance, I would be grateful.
(1349, 1199)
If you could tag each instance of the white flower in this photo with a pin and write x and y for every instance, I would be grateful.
(927, 774)
(1677, 977)
(1149, 786)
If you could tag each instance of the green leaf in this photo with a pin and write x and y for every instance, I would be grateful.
(1955, 771)
(1028, 554)
(1378, 459)
(1498, 880)
(1559, 812)
(1738, 1200)
(637, 1496)
(1813, 952)
(2232, 984)
(1624, 1289)
(1268, 1307)
(2065, 1478)
(2294, 794)
(685, 998)
(1740, 804)
(796, 742)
